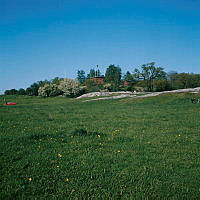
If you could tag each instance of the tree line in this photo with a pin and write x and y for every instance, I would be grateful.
(148, 77)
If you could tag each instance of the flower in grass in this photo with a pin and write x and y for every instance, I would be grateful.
(59, 155)
(118, 151)
(98, 136)
(30, 179)
(57, 166)
(66, 180)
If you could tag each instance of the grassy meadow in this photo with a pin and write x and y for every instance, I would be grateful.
(59, 148)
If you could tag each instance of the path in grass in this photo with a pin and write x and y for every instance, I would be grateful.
(118, 95)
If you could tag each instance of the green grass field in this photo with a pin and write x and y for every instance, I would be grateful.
(133, 148)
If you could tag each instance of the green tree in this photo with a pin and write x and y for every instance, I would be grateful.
(29, 91)
(113, 75)
(129, 77)
(55, 80)
(81, 76)
(11, 92)
(7, 92)
(21, 91)
(148, 73)
(161, 85)
(34, 87)
(70, 87)
(186, 80)
(91, 74)
(49, 90)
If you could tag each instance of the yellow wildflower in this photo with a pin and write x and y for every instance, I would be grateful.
(59, 155)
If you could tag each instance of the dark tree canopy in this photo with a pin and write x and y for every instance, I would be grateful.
(148, 73)
(81, 76)
(129, 77)
(93, 73)
(55, 80)
(21, 91)
(113, 75)
(11, 92)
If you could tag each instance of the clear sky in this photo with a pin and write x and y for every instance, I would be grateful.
(42, 39)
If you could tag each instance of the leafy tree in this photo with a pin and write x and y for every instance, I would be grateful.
(56, 81)
(194, 80)
(11, 92)
(7, 92)
(29, 91)
(161, 85)
(186, 80)
(91, 74)
(34, 87)
(113, 75)
(44, 90)
(70, 87)
(21, 91)
(49, 90)
(129, 77)
(81, 76)
(148, 73)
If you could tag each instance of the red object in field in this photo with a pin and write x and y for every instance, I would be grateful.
(10, 104)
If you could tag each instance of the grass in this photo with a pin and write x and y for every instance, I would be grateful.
(58, 148)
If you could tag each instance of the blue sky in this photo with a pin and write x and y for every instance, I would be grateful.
(42, 39)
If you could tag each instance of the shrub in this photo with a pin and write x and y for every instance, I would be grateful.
(49, 90)
(129, 88)
(107, 87)
(83, 132)
(161, 85)
(80, 132)
(70, 87)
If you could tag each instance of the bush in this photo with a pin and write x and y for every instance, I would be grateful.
(83, 132)
(49, 90)
(139, 89)
(114, 88)
(129, 88)
(107, 87)
(70, 88)
(161, 85)
(80, 132)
